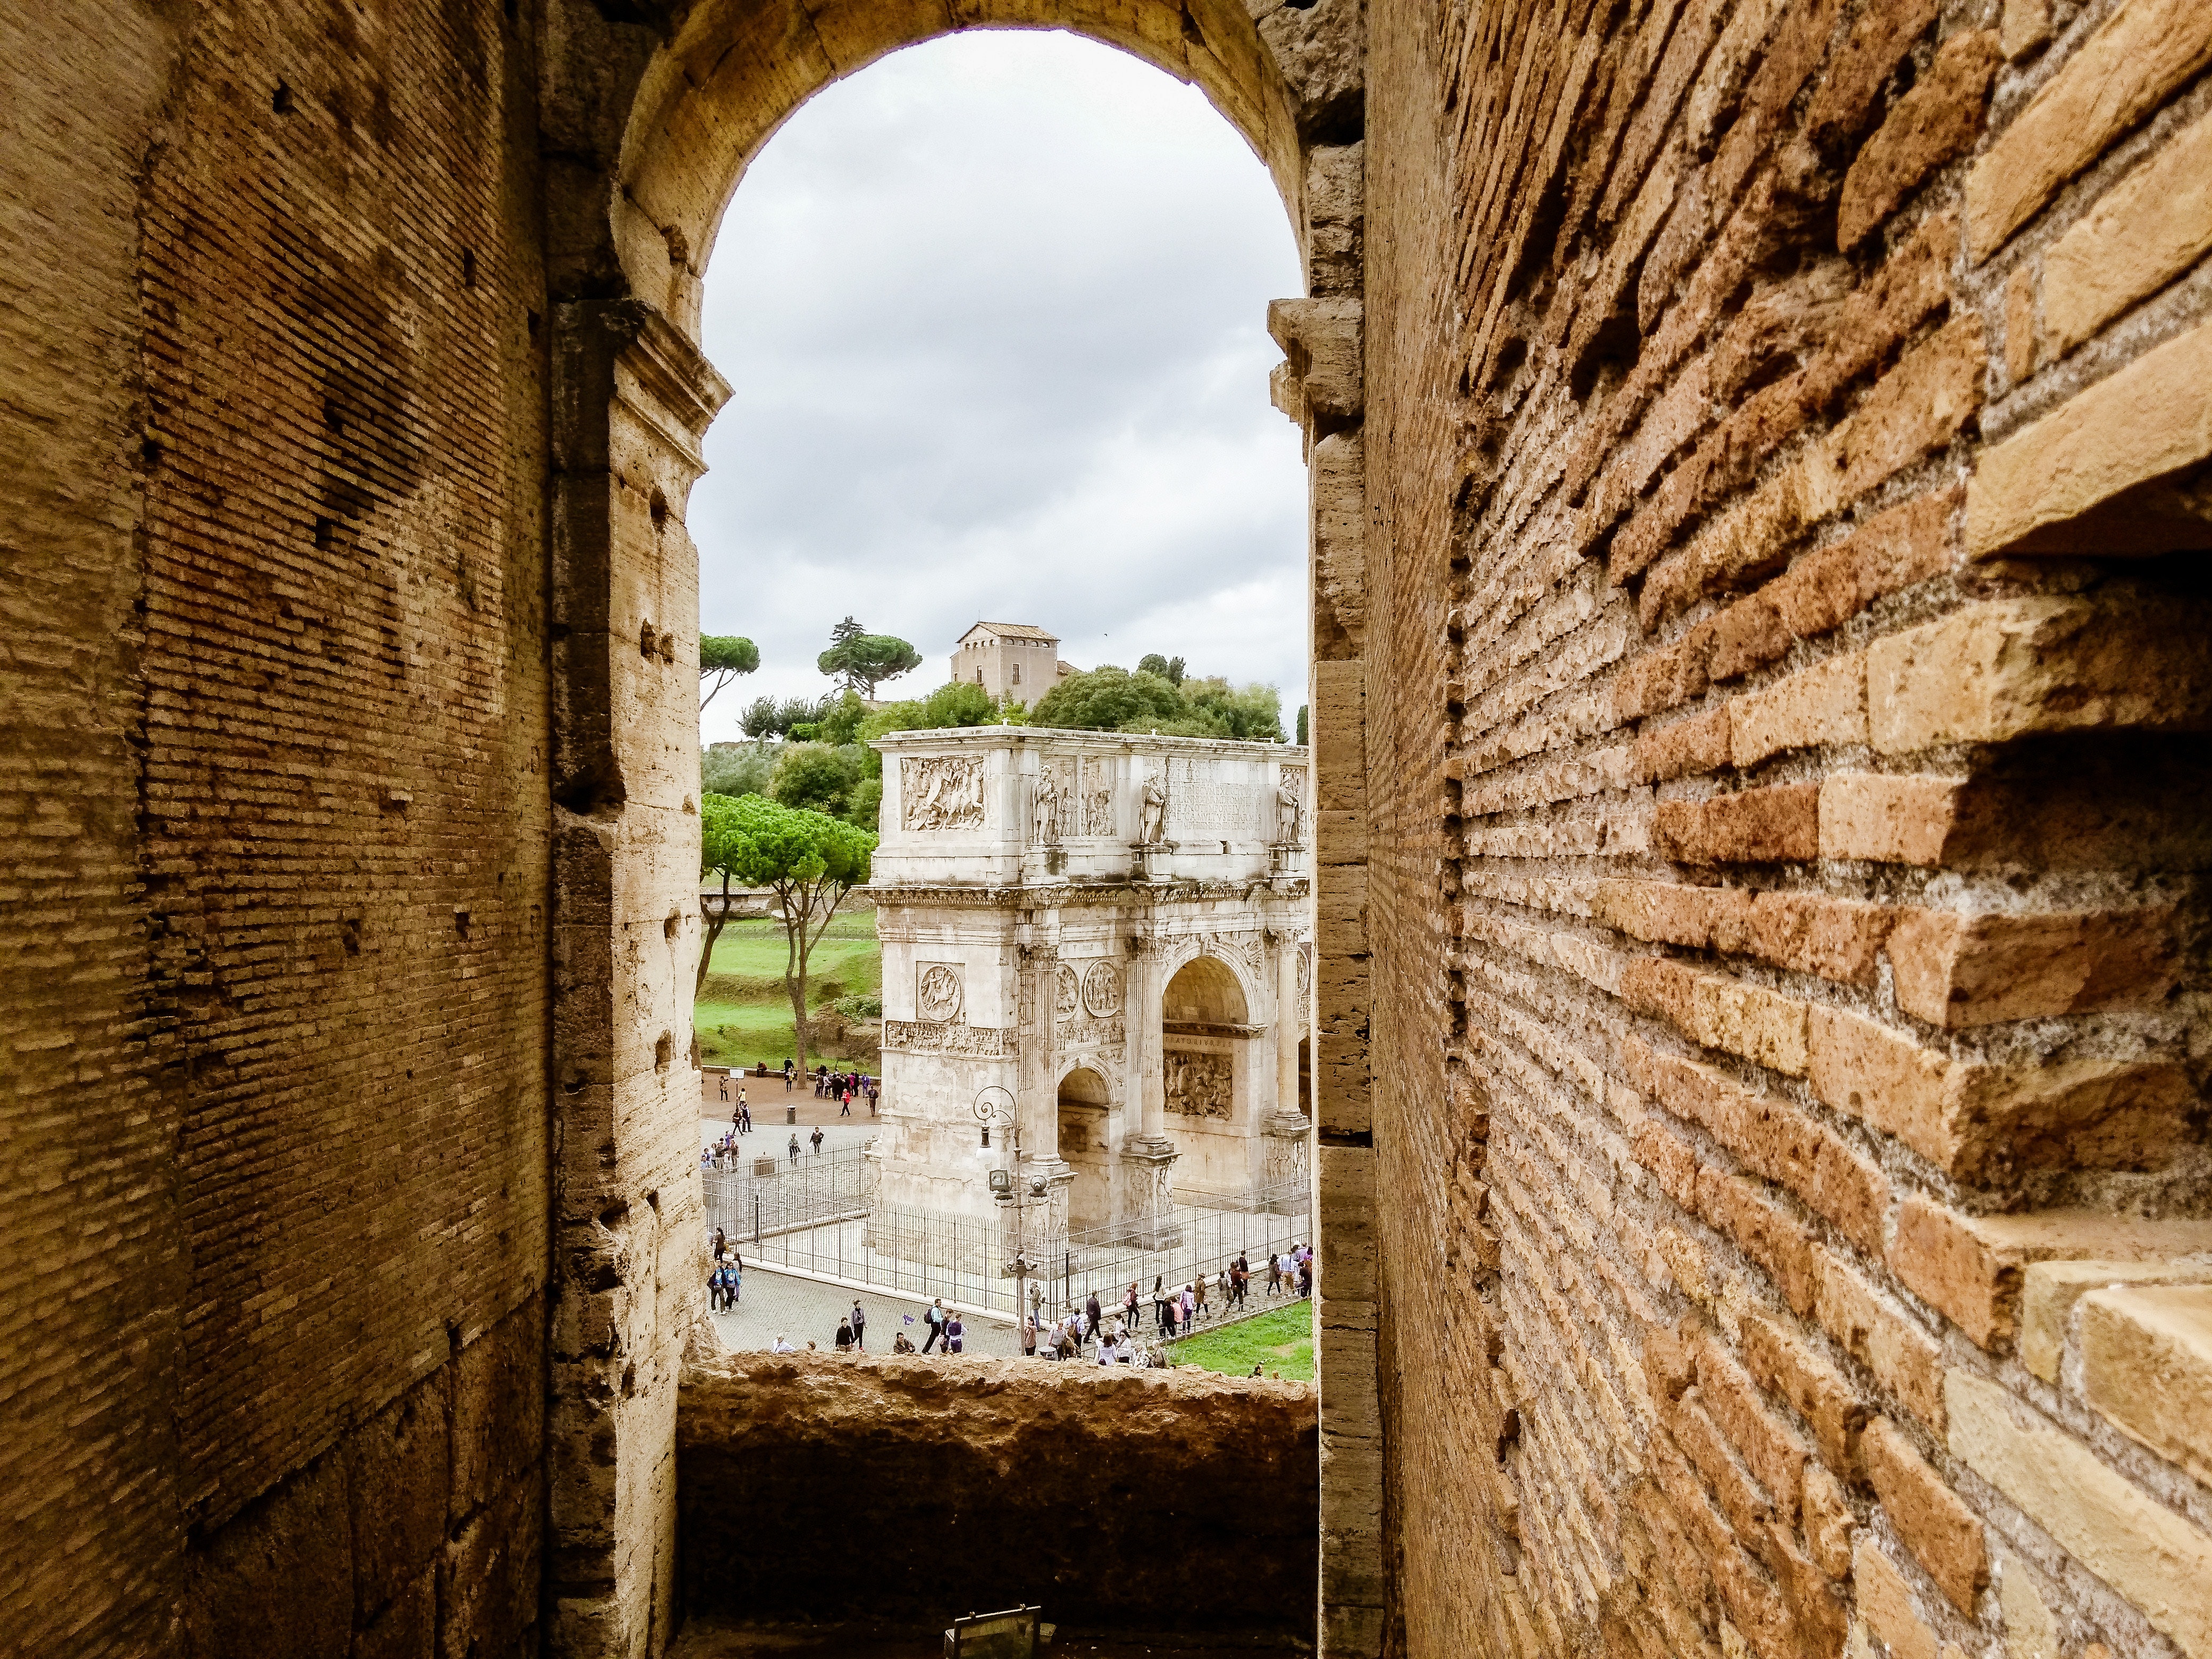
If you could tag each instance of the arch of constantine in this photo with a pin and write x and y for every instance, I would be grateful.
(1761, 1016)
(1115, 930)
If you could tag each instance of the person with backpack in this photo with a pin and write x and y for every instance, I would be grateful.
(934, 1316)
(859, 1329)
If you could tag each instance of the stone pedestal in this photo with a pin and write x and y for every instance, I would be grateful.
(1148, 1213)
(1284, 1171)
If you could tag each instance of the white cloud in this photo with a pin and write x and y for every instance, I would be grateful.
(994, 309)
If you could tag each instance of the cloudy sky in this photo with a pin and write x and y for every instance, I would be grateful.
(995, 312)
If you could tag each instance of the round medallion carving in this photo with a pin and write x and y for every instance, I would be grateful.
(1065, 996)
(937, 993)
(1101, 990)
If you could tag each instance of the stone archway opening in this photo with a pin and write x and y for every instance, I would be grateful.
(1083, 1107)
(1205, 998)
(650, 121)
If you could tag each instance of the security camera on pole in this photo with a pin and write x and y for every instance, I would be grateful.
(996, 1108)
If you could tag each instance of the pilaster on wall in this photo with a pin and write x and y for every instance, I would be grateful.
(1320, 386)
(632, 399)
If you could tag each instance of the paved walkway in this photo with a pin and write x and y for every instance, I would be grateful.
(803, 1311)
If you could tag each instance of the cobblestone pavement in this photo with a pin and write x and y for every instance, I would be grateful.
(805, 1311)
(773, 1140)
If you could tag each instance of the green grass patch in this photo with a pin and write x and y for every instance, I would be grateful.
(1277, 1341)
(743, 1015)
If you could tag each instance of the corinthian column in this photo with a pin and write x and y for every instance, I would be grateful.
(1287, 1023)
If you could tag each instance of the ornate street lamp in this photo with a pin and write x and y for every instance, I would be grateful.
(995, 1106)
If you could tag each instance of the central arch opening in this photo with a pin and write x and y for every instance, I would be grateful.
(1082, 1106)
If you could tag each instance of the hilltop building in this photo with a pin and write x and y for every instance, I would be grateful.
(1013, 660)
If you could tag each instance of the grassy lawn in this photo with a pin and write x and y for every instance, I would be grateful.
(1279, 1341)
(744, 1016)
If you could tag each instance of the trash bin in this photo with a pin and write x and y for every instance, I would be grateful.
(791, 1115)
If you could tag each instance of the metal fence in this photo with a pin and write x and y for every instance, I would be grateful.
(816, 1216)
(762, 1197)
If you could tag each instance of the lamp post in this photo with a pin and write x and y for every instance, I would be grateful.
(995, 1105)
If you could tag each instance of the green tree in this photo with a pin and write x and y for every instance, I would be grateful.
(722, 658)
(1169, 669)
(1302, 725)
(765, 717)
(1253, 712)
(819, 777)
(864, 660)
(839, 723)
(735, 769)
(809, 861)
(957, 702)
(1110, 699)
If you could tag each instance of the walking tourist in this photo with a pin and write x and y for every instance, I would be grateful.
(1305, 1275)
(859, 1329)
(1275, 1273)
(1028, 1336)
(1189, 1307)
(952, 1328)
(817, 1138)
(1198, 1306)
(1160, 1307)
(744, 1120)
(794, 1145)
(1091, 1315)
(934, 1316)
(1129, 1307)
(721, 1244)
(845, 1103)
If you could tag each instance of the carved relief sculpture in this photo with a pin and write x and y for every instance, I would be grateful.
(937, 994)
(1199, 1085)
(1287, 803)
(1101, 990)
(1097, 799)
(1152, 813)
(942, 792)
(1044, 811)
(1067, 994)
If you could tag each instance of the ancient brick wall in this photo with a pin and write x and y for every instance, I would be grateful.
(1786, 434)
(821, 1487)
(283, 1206)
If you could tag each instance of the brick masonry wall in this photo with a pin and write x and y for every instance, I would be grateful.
(285, 724)
(908, 1490)
(1785, 436)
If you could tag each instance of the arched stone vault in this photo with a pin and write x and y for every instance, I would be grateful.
(735, 72)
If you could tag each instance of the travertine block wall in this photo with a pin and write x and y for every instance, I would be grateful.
(1117, 1498)
(1785, 443)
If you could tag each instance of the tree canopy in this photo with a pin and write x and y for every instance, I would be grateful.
(722, 658)
(863, 660)
(1170, 669)
(1110, 699)
(955, 702)
(765, 717)
(810, 860)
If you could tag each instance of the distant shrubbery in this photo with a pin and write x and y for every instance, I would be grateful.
(1109, 699)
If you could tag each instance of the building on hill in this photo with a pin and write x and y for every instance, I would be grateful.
(1016, 661)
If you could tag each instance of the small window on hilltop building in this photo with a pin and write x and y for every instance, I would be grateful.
(1017, 673)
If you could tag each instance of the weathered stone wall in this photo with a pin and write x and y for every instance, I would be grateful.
(275, 1003)
(1785, 434)
(909, 1490)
